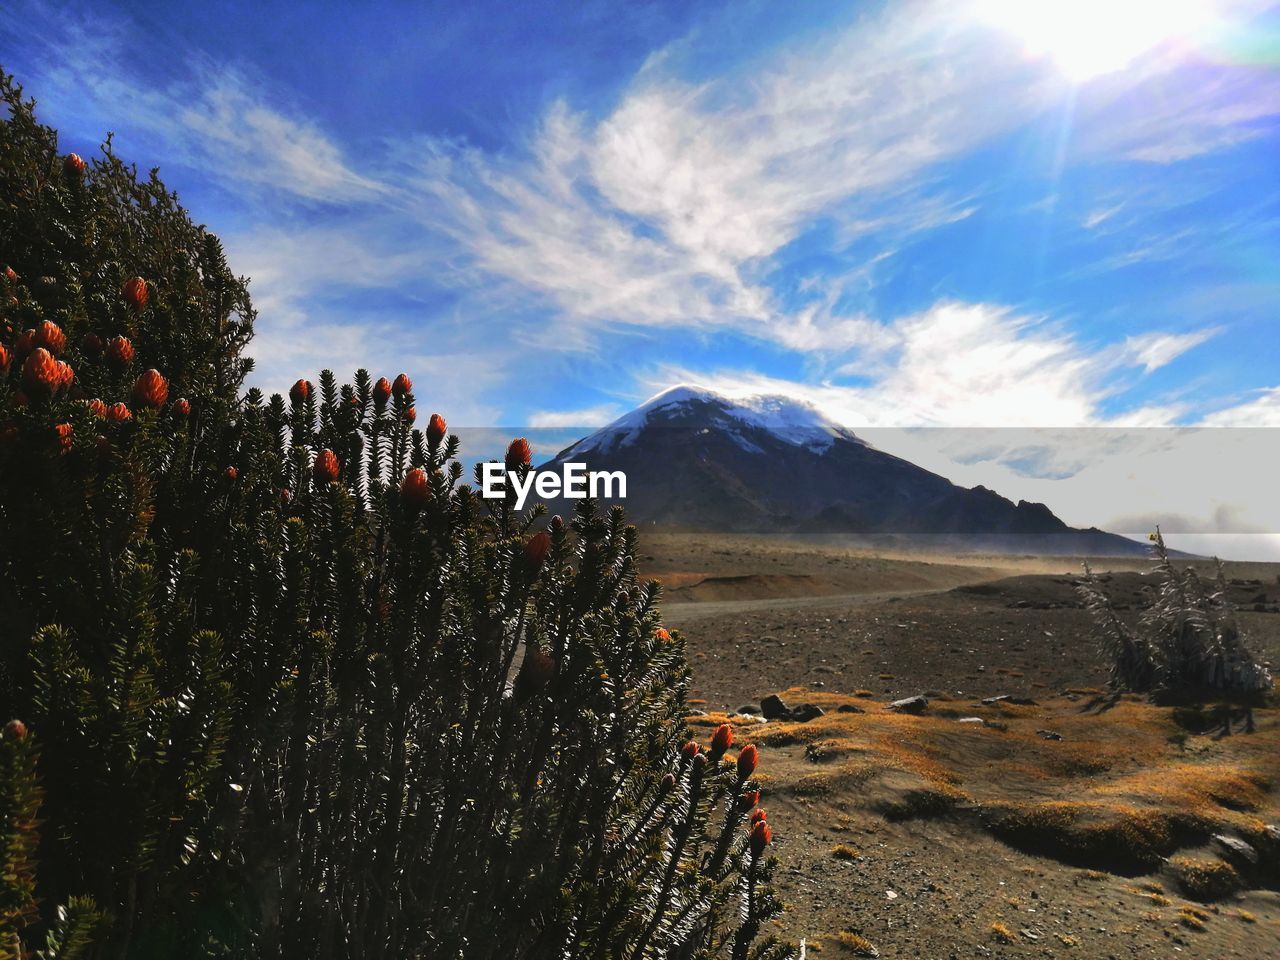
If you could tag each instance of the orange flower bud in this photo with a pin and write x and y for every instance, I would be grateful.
(690, 750)
(411, 414)
(42, 376)
(748, 799)
(299, 392)
(761, 836)
(748, 759)
(50, 336)
(326, 467)
(382, 391)
(73, 165)
(98, 408)
(119, 352)
(151, 390)
(135, 293)
(119, 413)
(5, 359)
(722, 739)
(436, 428)
(182, 407)
(15, 730)
(759, 817)
(402, 386)
(519, 454)
(11, 275)
(63, 432)
(662, 634)
(231, 473)
(66, 376)
(414, 488)
(535, 549)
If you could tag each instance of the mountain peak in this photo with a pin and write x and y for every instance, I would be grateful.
(792, 421)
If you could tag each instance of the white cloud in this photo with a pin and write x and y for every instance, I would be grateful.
(216, 119)
(664, 212)
(596, 416)
(971, 365)
(1155, 350)
(1262, 411)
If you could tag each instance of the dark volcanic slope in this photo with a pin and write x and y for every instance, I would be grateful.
(698, 461)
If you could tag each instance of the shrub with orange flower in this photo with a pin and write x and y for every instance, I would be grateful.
(135, 293)
(151, 390)
(518, 454)
(42, 375)
(50, 336)
(119, 352)
(326, 467)
(414, 488)
(748, 760)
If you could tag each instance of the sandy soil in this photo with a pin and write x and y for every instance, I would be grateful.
(836, 626)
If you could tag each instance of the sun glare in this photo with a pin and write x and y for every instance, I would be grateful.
(1087, 38)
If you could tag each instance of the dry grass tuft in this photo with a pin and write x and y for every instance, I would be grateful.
(856, 944)
(1205, 880)
(842, 851)
(1001, 933)
(1192, 918)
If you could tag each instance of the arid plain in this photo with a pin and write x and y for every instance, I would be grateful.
(1054, 820)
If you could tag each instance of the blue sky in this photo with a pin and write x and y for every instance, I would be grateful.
(915, 213)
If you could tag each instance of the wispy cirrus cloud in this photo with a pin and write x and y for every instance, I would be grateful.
(211, 116)
(968, 365)
(763, 201)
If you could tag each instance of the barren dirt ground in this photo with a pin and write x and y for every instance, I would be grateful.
(1073, 825)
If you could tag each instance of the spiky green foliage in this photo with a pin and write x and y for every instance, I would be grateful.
(287, 716)
(1186, 643)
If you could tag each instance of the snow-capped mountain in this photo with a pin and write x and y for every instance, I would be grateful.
(695, 459)
(791, 421)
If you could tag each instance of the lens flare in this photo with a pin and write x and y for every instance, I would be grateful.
(1089, 38)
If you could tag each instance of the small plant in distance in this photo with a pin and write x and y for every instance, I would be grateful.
(287, 688)
(1186, 646)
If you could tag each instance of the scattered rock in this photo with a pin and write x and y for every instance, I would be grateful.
(697, 713)
(1236, 849)
(1049, 734)
(773, 707)
(1009, 698)
(971, 720)
(916, 705)
(849, 708)
(750, 709)
(806, 712)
